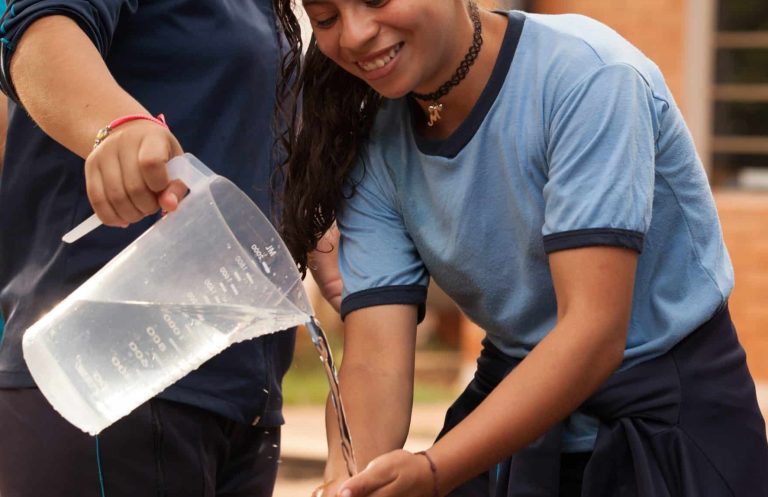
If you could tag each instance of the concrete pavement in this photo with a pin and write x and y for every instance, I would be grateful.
(304, 448)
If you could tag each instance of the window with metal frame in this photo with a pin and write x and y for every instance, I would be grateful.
(740, 95)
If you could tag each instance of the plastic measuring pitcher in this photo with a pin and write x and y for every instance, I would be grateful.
(210, 274)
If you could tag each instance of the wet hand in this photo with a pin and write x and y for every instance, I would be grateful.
(395, 474)
(126, 176)
(329, 488)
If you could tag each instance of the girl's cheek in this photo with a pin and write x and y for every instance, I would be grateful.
(327, 48)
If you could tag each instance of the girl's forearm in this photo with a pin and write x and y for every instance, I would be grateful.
(556, 377)
(378, 406)
(376, 378)
(64, 84)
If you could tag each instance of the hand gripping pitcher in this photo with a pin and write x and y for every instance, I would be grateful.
(210, 274)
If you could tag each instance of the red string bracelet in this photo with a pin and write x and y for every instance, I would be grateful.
(106, 130)
(432, 468)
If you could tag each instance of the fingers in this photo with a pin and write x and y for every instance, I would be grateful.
(380, 473)
(330, 487)
(98, 198)
(394, 474)
(126, 175)
(142, 197)
(322, 489)
(169, 199)
(153, 153)
(115, 190)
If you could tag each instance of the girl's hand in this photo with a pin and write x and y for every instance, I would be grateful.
(329, 488)
(395, 474)
(334, 475)
(126, 176)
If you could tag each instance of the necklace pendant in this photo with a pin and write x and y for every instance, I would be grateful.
(434, 113)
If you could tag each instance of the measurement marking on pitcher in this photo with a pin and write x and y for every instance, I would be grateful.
(266, 267)
(192, 298)
(152, 333)
(89, 380)
(173, 344)
(120, 367)
(234, 289)
(138, 354)
(250, 278)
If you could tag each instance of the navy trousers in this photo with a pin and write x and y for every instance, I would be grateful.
(162, 449)
(686, 424)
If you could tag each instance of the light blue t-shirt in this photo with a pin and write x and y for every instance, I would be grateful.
(576, 141)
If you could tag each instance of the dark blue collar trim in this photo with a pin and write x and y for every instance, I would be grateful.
(451, 146)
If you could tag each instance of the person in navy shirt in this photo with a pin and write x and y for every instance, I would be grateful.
(539, 170)
(70, 67)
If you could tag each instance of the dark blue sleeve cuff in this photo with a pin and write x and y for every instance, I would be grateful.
(388, 295)
(610, 237)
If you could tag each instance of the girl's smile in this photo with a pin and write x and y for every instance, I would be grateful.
(395, 46)
(377, 61)
(380, 64)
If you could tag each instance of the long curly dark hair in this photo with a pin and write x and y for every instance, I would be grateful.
(324, 117)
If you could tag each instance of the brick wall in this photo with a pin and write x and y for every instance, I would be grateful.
(657, 27)
(744, 217)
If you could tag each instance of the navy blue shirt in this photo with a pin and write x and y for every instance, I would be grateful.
(211, 68)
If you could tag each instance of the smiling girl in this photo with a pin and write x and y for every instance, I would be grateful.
(538, 169)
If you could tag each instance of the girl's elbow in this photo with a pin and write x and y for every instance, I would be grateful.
(615, 347)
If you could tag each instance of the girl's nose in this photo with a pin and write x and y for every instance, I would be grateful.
(358, 28)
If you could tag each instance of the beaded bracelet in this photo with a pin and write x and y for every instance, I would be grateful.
(106, 130)
(432, 468)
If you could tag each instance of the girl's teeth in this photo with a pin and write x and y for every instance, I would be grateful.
(379, 63)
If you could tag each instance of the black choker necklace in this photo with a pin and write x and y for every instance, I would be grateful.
(435, 108)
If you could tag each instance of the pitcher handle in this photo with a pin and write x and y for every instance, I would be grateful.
(189, 169)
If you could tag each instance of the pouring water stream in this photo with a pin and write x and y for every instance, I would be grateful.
(321, 344)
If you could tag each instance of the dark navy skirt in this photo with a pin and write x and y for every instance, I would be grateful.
(682, 425)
